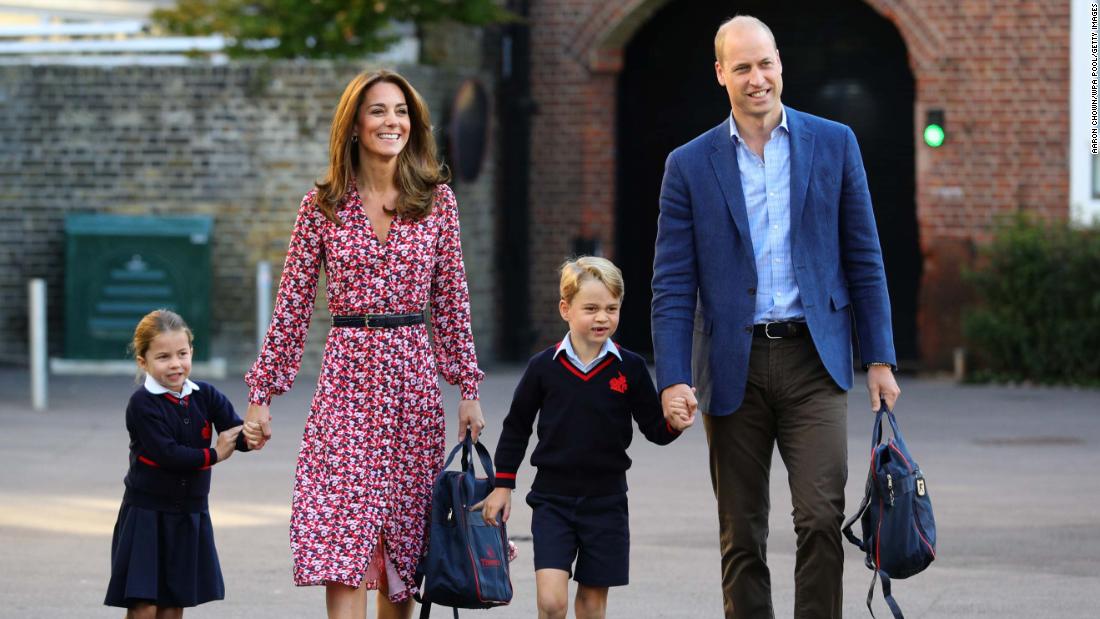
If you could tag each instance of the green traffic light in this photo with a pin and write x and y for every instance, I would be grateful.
(933, 135)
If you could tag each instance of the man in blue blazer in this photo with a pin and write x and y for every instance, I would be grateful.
(766, 251)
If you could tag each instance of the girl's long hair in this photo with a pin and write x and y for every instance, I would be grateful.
(150, 326)
(418, 168)
(153, 324)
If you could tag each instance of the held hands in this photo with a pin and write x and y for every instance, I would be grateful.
(499, 501)
(469, 417)
(881, 385)
(679, 405)
(227, 443)
(683, 417)
(257, 426)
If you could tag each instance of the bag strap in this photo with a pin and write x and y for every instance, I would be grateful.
(876, 438)
(426, 610)
(895, 610)
(846, 529)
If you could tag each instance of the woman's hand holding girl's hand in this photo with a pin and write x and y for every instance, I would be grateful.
(227, 443)
(498, 501)
(253, 433)
(469, 416)
(259, 432)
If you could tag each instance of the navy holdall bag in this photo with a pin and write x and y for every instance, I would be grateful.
(899, 531)
(466, 564)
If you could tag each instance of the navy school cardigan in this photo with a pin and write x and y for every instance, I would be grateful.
(170, 452)
(584, 423)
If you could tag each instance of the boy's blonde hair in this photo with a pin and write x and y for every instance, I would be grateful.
(576, 271)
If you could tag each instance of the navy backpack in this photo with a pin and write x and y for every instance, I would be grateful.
(466, 564)
(899, 531)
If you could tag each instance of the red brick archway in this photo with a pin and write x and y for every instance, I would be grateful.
(1005, 152)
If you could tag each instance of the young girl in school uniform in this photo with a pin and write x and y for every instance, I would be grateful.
(162, 553)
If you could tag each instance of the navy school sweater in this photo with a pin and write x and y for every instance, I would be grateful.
(584, 423)
(170, 452)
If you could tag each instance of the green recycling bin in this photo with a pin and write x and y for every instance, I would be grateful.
(119, 268)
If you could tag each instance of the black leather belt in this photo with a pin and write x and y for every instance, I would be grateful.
(780, 330)
(379, 321)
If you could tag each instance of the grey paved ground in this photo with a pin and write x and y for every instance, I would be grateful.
(1012, 473)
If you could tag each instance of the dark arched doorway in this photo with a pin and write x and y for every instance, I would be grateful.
(841, 60)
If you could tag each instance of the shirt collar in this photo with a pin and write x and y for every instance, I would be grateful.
(566, 346)
(734, 133)
(155, 388)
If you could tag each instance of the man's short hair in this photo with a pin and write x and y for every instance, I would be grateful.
(720, 36)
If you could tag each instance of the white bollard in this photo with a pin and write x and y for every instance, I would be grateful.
(960, 364)
(36, 331)
(263, 301)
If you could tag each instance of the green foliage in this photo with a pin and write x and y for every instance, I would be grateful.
(1039, 318)
(315, 28)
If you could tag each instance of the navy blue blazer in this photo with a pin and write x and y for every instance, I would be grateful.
(704, 275)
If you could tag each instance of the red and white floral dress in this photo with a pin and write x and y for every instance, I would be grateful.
(374, 438)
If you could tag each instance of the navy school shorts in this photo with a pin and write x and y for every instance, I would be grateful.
(594, 531)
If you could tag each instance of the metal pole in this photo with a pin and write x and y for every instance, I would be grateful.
(263, 301)
(36, 319)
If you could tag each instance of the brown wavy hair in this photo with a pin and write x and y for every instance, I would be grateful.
(418, 168)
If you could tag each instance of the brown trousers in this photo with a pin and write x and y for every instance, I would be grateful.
(790, 401)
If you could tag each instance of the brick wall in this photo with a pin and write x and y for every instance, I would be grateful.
(240, 142)
(999, 70)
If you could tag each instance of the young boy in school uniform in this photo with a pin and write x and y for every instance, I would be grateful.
(584, 392)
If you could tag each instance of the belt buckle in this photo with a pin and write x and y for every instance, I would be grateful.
(767, 333)
(368, 322)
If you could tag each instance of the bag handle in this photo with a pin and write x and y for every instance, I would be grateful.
(876, 434)
(894, 427)
(467, 446)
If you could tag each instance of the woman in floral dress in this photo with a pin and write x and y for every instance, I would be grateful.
(385, 228)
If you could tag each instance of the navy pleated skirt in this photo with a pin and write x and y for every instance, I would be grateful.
(163, 558)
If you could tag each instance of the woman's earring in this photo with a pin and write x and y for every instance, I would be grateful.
(354, 139)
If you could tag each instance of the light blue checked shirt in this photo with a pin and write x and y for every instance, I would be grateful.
(767, 186)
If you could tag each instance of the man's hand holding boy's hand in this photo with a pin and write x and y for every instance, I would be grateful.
(499, 501)
(675, 396)
(681, 414)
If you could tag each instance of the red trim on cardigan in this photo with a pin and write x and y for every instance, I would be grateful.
(586, 376)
